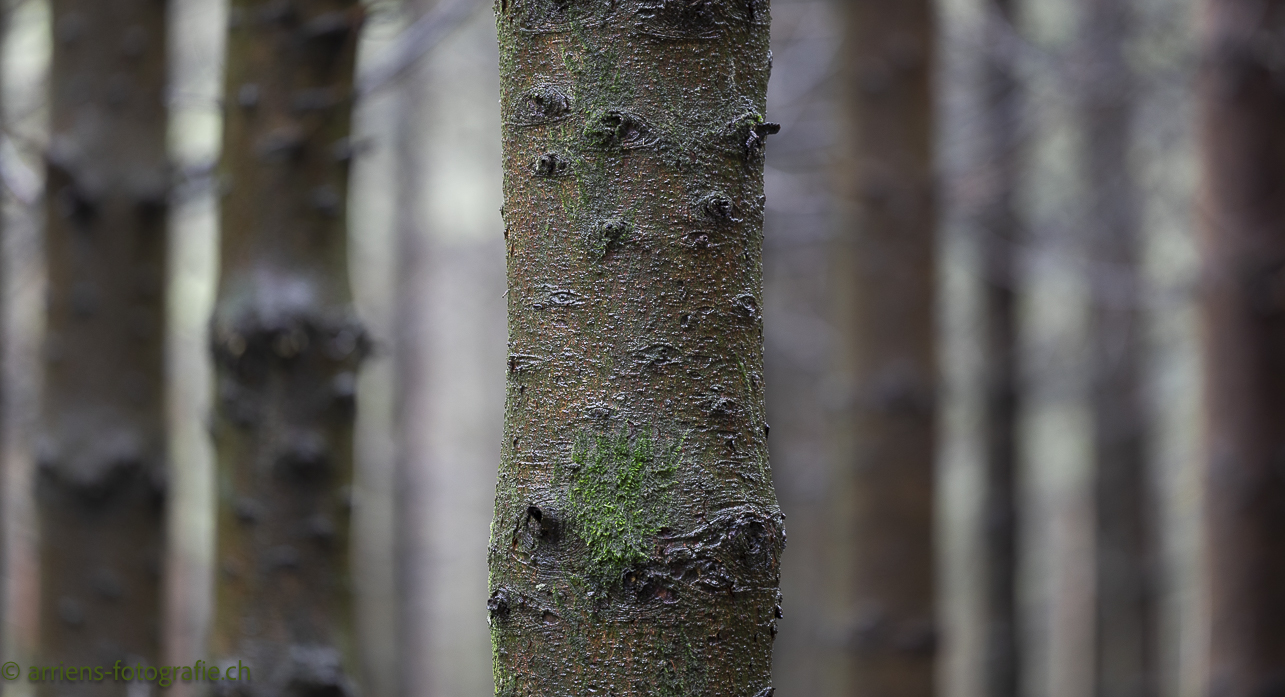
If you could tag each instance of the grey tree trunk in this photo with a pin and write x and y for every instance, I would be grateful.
(636, 542)
(1242, 215)
(886, 331)
(286, 349)
(100, 488)
(1000, 230)
(1125, 646)
(413, 544)
(449, 355)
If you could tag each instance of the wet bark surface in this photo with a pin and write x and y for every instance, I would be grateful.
(1242, 104)
(1125, 642)
(636, 542)
(286, 347)
(100, 487)
(886, 256)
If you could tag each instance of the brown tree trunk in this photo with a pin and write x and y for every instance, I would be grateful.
(1125, 660)
(888, 346)
(286, 349)
(999, 229)
(1242, 102)
(636, 542)
(101, 483)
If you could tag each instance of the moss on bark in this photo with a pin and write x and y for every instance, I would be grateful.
(637, 540)
(618, 499)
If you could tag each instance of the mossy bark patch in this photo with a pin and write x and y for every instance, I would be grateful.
(637, 541)
(618, 499)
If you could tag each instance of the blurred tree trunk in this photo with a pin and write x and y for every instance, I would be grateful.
(1124, 659)
(7, 518)
(453, 335)
(636, 542)
(1242, 102)
(999, 228)
(412, 416)
(101, 482)
(888, 347)
(286, 346)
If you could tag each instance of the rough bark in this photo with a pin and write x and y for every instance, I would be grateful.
(887, 343)
(101, 483)
(286, 347)
(1124, 658)
(1242, 214)
(636, 542)
(1000, 229)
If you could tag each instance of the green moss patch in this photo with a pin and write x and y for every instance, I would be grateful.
(618, 496)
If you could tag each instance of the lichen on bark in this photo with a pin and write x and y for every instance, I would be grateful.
(637, 540)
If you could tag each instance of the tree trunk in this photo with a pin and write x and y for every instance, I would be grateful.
(286, 349)
(1243, 244)
(451, 346)
(636, 542)
(101, 483)
(888, 347)
(999, 230)
(413, 546)
(1125, 660)
(7, 518)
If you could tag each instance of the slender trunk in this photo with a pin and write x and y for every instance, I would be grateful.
(636, 542)
(887, 333)
(453, 339)
(286, 349)
(411, 409)
(1242, 136)
(1125, 644)
(7, 517)
(101, 483)
(1000, 230)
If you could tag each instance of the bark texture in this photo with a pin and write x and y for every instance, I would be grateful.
(887, 343)
(1242, 101)
(286, 349)
(999, 230)
(636, 543)
(101, 483)
(1124, 655)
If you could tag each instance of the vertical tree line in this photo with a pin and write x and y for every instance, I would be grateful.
(412, 389)
(287, 346)
(101, 482)
(1242, 232)
(637, 540)
(1125, 646)
(1000, 230)
(886, 325)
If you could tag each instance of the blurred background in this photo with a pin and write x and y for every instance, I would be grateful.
(428, 179)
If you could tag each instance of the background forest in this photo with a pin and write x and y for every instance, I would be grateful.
(1066, 178)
